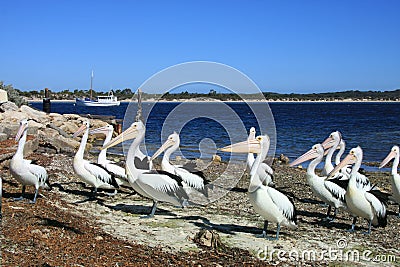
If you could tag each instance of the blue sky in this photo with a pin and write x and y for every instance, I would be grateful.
(283, 46)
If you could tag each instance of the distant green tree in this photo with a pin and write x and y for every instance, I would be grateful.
(13, 94)
(127, 91)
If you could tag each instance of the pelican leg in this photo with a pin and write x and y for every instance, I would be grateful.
(327, 218)
(369, 228)
(34, 198)
(22, 195)
(94, 192)
(264, 233)
(278, 228)
(398, 215)
(353, 225)
(153, 210)
(334, 215)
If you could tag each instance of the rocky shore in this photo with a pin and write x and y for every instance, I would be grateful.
(64, 228)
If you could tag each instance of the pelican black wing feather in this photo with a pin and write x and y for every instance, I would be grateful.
(192, 167)
(177, 178)
(382, 196)
(292, 216)
(113, 181)
(142, 164)
(180, 192)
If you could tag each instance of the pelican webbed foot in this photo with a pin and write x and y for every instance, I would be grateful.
(153, 211)
(22, 195)
(353, 226)
(111, 194)
(264, 233)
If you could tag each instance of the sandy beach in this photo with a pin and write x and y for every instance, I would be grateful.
(64, 227)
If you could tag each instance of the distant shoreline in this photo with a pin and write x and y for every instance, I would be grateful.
(235, 101)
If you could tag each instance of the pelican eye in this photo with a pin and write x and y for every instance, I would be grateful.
(259, 138)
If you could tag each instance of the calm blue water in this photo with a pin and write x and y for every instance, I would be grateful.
(373, 126)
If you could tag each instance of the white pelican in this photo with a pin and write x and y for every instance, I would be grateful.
(332, 142)
(156, 185)
(192, 178)
(362, 199)
(141, 160)
(91, 173)
(332, 191)
(395, 178)
(23, 170)
(271, 204)
(265, 172)
(118, 171)
(250, 156)
(346, 170)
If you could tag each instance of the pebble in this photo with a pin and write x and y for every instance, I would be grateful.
(99, 238)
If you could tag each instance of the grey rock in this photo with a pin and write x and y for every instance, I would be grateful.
(59, 130)
(8, 106)
(59, 144)
(3, 137)
(34, 114)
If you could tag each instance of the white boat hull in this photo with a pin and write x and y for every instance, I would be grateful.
(92, 103)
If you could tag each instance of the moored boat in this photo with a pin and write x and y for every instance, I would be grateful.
(100, 101)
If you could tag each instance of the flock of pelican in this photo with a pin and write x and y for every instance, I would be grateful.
(339, 185)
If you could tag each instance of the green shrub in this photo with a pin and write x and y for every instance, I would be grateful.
(13, 94)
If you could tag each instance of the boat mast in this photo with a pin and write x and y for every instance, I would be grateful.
(91, 84)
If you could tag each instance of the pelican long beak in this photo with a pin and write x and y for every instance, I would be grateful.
(348, 160)
(79, 131)
(166, 145)
(128, 134)
(310, 154)
(21, 130)
(328, 143)
(249, 146)
(103, 130)
(388, 158)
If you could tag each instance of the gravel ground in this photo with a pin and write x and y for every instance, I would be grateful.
(64, 228)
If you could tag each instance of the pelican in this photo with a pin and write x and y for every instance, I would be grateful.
(333, 142)
(250, 156)
(23, 170)
(265, 172)
(362, 199)
(270, 203)
(332, 191)
(346, 170)
(141, 160)
(154, 184)
(91, 173)
(118, 171)
(191, 177)
(395, 178)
